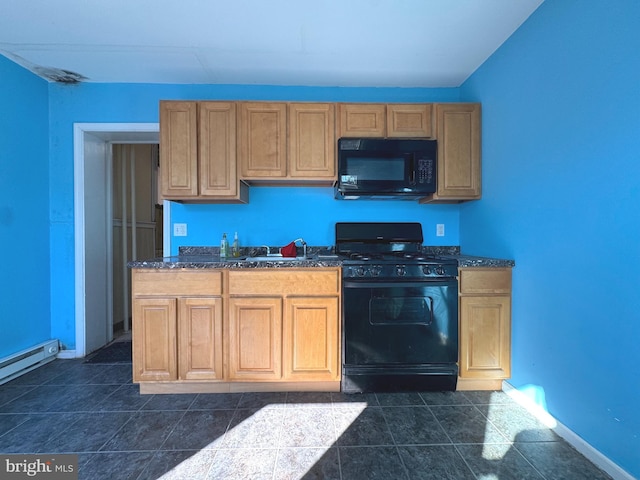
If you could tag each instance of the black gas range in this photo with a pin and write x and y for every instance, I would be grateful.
(400, 310)
(387, 250)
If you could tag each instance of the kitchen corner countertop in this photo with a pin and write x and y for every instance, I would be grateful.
(487, 262)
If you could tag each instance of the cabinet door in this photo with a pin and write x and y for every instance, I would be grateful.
(312, 143)
(262, 140)
(200, 339)
(362, 120)
(310, 339)
(178, 149)
(458, 134)
(255, 338)
(410, 120)
(154, 337)
(217, 149)
(485, 337)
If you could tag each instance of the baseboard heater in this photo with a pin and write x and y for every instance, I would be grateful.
(22, 362)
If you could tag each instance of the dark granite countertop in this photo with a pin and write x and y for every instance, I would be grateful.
(473, 261)
(208, 257)
(214, 261)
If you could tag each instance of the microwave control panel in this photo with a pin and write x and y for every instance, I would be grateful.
(425, 170)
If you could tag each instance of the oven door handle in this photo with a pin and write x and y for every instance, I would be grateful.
(397, 284)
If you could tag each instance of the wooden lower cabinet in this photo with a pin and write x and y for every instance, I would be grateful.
(154, 334)
(310, 339)
(266, 330)
(284, 325)
(485, 327)
(200, 339)
(255, 338)
(177, 338)
(296, 343)
(177, 325)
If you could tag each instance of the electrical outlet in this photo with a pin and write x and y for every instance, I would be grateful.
(440, 230)
(179, 229)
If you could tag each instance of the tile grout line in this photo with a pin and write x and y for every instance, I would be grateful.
(278, 446)
(222, 441)
(455, 445)
(395, 443)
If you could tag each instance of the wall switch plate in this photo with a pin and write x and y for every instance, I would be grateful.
(440, 230)
(179, 229)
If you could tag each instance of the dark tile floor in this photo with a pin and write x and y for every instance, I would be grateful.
(95, 411)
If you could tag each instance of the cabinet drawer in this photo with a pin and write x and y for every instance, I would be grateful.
(291, 282)
(183, 282)
(485, 280)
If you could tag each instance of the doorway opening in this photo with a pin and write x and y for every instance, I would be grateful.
(136, 223)
(94, 146)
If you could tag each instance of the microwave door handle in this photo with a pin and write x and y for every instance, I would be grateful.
(412, 166)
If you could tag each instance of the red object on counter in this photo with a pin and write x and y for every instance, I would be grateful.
(289, 250)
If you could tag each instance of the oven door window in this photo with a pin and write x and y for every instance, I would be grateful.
(400, 310)
(400, 324)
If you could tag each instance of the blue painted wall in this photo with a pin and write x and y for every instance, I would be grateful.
(276, 216)
(311, 212)
(24, 209)
(561, 195)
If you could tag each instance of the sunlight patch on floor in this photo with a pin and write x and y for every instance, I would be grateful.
(254, 431)
(532, 397)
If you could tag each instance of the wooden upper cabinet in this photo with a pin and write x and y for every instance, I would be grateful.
(459, 152)
(217, 148)
(287, 142)
(312, 141)
(209, 149)
(398, 120)
(179, 149)
(362, 120)
(410, 120)
(198, 152)
(262, 142)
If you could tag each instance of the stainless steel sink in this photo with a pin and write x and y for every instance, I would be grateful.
(275, 258)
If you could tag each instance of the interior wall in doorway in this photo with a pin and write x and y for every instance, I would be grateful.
(137, 220)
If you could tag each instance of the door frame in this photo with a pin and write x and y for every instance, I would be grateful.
(109, 133)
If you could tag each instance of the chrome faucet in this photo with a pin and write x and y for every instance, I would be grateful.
(304, 246)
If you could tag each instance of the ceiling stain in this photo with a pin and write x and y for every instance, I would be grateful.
(59, 75)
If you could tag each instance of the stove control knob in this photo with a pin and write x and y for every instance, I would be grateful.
(426, 270)
(440, 270)
(375, 271)
(360, 271)
(400, 270)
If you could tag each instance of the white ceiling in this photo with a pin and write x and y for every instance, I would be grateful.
(375, 43)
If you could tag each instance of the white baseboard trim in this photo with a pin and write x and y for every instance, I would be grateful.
(66, 354)
(599, 459)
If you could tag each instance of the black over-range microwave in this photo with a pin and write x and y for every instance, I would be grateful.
(385, 168)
